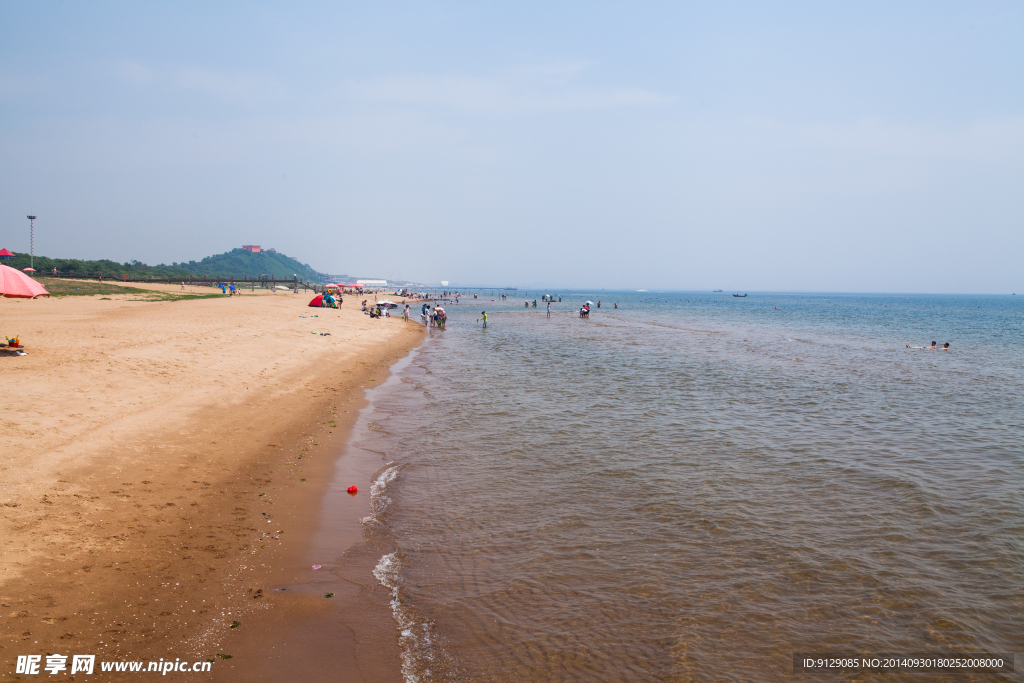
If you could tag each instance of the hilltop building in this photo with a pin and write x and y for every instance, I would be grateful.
(6, 254)
(254, 248)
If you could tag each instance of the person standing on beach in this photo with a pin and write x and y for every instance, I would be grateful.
(484, 314)
(549, 309)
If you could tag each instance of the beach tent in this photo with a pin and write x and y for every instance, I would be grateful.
(16, 285)
(318, 301)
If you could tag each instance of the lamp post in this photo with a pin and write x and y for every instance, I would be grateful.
(31, 241)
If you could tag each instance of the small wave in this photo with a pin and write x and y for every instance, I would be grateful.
(377, 427)
(414, 635)
(379, 500)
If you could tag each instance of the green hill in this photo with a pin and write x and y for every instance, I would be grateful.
(237, 263)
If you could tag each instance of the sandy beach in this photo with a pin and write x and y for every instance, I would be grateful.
(163, 466)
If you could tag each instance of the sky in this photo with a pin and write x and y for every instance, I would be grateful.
(853, 147)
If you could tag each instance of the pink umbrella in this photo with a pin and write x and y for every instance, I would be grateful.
(29, 270)
(15, 284)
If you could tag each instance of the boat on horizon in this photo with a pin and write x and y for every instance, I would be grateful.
(717, 290)
(739, 295)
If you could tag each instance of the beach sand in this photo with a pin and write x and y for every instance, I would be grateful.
(137, 439)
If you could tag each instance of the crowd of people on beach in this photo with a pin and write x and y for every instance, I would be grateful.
(436, 317)
(376, 310)
(430, 317)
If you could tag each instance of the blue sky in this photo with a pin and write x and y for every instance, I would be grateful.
(805, 146)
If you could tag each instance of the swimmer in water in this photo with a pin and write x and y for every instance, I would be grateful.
(933, 347)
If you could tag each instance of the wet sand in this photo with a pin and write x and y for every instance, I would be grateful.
(138, 437)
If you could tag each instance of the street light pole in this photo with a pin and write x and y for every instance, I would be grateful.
(31, 242)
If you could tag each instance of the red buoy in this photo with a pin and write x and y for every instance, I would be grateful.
(353, 489)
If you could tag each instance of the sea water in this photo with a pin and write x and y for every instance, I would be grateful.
(695, 486)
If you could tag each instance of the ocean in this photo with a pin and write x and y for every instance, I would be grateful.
(695, 486)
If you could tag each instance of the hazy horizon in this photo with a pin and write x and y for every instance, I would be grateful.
(866, 149)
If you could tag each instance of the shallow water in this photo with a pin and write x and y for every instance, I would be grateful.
(694, 486)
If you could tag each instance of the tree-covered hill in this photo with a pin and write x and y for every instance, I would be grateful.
(237, 263)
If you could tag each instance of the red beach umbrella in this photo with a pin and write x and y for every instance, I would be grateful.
(15, 284)
(29, 270)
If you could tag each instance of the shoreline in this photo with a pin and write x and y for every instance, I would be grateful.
(352, 636)
(130, 494)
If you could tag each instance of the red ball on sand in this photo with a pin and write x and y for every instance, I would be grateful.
(353, 489)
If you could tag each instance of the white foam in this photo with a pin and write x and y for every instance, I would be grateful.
(379, 501)
(414, 637)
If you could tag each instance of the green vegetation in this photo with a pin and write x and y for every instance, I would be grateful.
(237, 263)
(60, 287)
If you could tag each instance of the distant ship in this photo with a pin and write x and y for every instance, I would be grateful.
(739, 295)
(717, 290)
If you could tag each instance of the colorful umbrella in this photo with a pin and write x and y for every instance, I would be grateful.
(15, 284)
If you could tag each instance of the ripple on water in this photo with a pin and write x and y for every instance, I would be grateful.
(661, 493)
